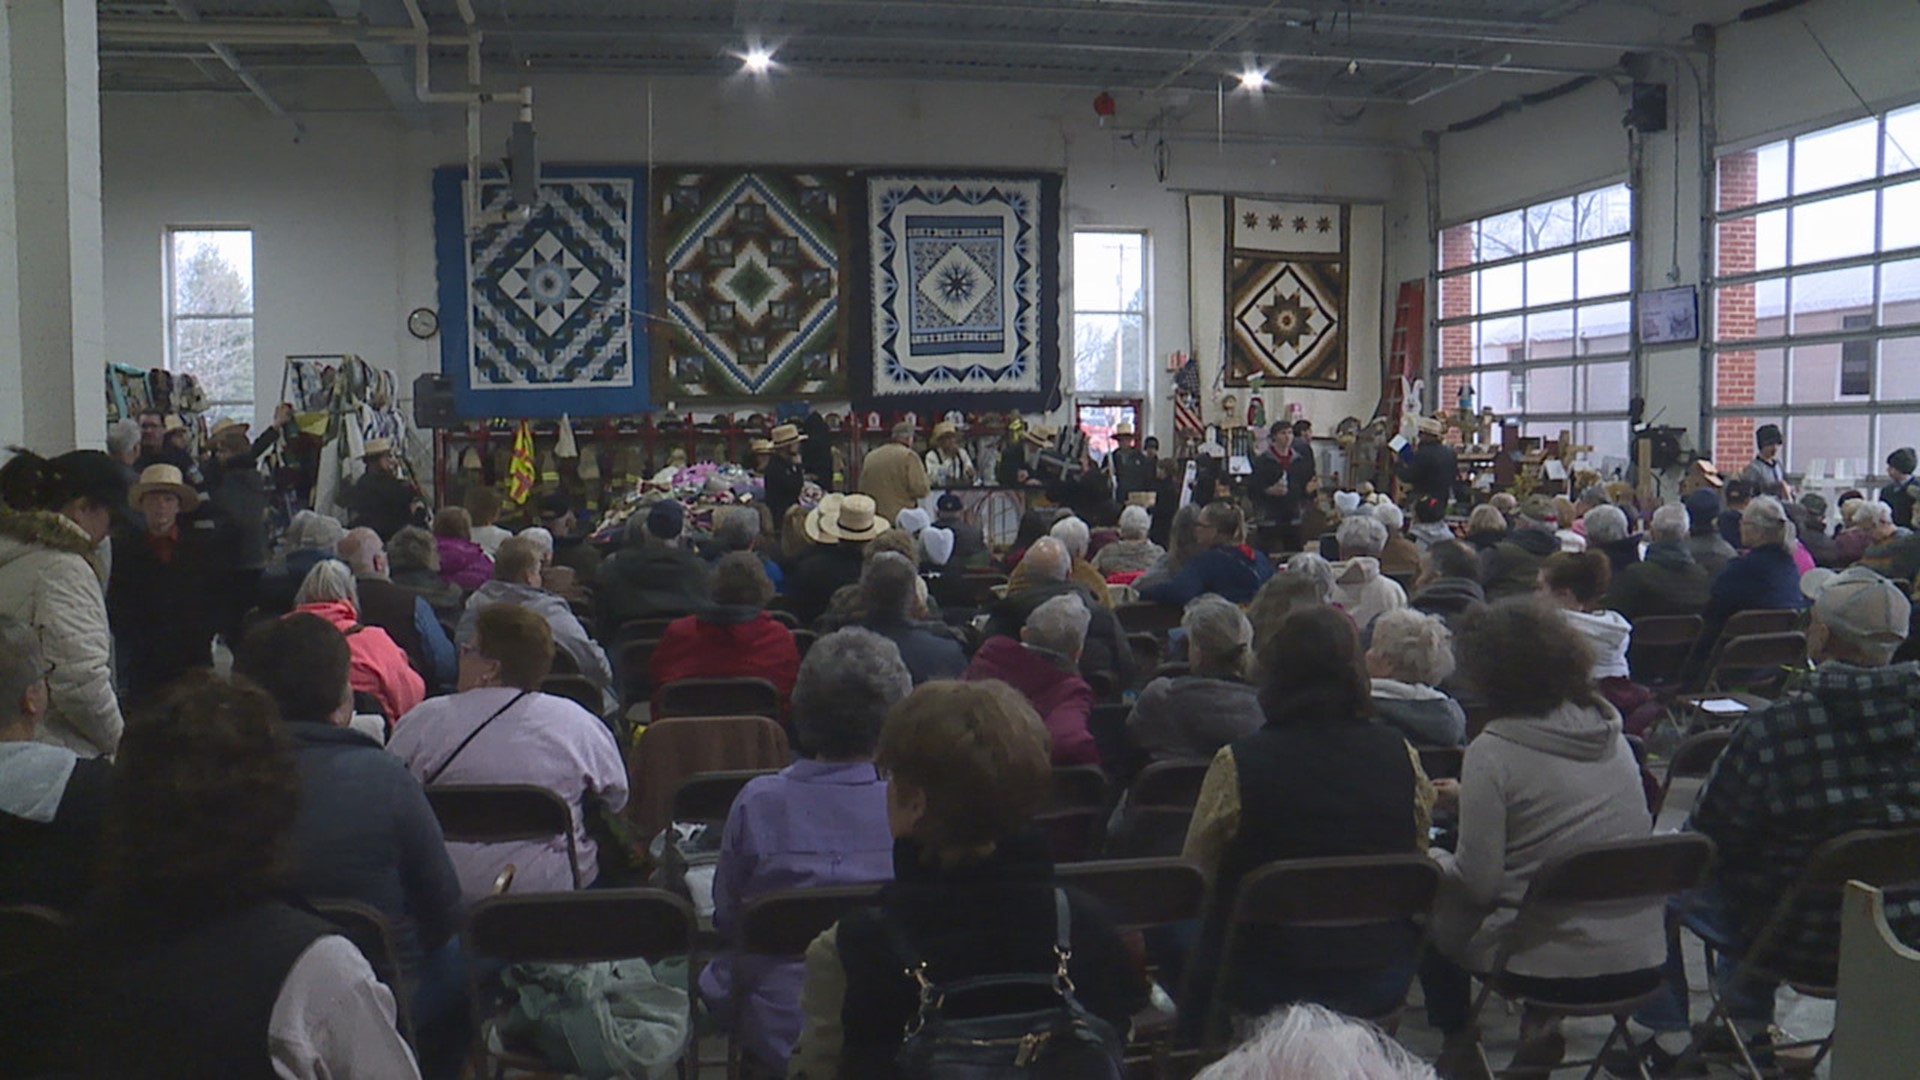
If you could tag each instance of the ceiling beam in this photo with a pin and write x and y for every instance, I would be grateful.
(388, 62)
(191, 14)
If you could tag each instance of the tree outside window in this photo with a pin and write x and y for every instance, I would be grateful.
(1110, 313)
(210, 315)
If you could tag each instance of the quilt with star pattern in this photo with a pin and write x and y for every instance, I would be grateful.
(750, 266)
(961, 293)
(540, 305)
(1286, 284)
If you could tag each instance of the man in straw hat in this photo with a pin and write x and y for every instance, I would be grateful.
(1015, 468)
(165, 596)
(948, 464)
(894, 475)
(784, 475)
(839, 528)
(380, 500)
(1432, 468)
(1132, 469)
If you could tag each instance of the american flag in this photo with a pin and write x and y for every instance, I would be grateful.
(1186, 395)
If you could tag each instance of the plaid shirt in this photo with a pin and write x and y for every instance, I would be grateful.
(1841, 755)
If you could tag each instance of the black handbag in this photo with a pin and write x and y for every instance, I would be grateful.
(1062, 1042)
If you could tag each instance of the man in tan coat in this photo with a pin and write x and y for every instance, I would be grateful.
(894, 475)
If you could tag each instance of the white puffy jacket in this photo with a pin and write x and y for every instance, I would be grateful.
(48, 580)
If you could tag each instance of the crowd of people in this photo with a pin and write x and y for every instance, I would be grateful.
(174, 812)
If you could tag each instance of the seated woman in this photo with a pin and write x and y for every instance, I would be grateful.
(1576, 583)
(413, 563)
(1317, 759)
(1194, 715)
(380, 666)
(1411, 653)
(1306, 581)
(1181, 548)
(973, 894)
(733, 636)
(1486, 527)
(1763, 577)
(1133, 553)
(1550, 774)
(51, 799)
(462, 561)
(190, 961)
(1222, 563)
(499, 729)
(820, 821)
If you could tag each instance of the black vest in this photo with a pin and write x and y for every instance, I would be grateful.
(390, 607)
(194, 1005)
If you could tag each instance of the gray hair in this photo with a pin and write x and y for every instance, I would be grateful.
(1670, 524)
(1596, 495)
(1605, 524)
(1769, 519)
(1390, 515)
(1361, 536)
(359, 549)
(1316, 569)
(21, 663)
(330, 579)
(540, 537)
(1134, 523)
(1053, 562)
(735, 528)
(1072, 532)
(1218, 635)
(311, 529)
(1868, 513)
(1059, 625)
(1417, 646)
(887, 584)
(1486, 518)
(1308, 1042)
(123, 435)
(847, 683)
(413, 548)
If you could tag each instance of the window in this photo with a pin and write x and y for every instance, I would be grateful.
(1816, 298)
(210, 315)
(1110, 313)
(1536, 316)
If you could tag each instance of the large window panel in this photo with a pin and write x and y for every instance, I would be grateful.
(210, 315)
(1110, 331)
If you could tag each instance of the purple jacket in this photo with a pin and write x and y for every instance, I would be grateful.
(463, 563)
(814, 823)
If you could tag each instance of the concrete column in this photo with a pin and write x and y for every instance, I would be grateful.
(52, 317)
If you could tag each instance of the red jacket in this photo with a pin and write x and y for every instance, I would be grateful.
(379, 666)
(726, 643)
(1061, 697)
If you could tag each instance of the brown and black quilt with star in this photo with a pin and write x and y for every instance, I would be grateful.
(1286, 282)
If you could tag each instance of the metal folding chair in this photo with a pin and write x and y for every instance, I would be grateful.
(1155, 619)
(575, 688)
(735, 696)
(1659, 647)
(781, 925)
(503, 813)
(708, 797)
(1154, 815)
(1692, 760)
(1757, 658)
(1075, 820)
(670, 751)
(370, 932)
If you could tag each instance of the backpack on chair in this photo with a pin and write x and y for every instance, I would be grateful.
(1062, 1042)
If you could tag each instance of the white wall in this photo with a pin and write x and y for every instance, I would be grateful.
(342, 220)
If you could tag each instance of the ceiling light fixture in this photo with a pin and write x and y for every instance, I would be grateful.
(1253, 79)
(757, 61)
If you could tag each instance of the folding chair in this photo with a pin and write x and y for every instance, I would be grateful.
(564, 663)
(373, 936)
(735, 696)
(671, 750)
(575, 688)
(785, 618)
(708, 797)
(1441, 762)
(1692, 760)
(1148, 650)
(1320, 894)
(1764, 657)
(1155, 619)
(636, 683)
(1156, 811)
(503, 813)
(1658, 649)
(1075, 819)
(1141, 894)
(572, 928)
(634, 629)
(804, 640)
(1608, 875)
(1881, 858)
(1874, 1036)
(1760, 621)
(983, 588)
(781, 925)
(1108, 726)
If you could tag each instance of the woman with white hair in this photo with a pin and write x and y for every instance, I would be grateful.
(1133, 553)
(311, 538)
(1358, 584)
(1194, 715)
(1308, 1042)
(1411, 653)
(380, 668)
(1764, 576)
(1608, 533)
(1399, 556)
(1668, 581)
(1892, 551)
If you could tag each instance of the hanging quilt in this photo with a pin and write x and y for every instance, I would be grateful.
(1287, 286)
(750, 277)
(538, 305)
(963, 292)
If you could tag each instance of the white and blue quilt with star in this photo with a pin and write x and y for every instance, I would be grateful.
(962, 304)
(539, 308)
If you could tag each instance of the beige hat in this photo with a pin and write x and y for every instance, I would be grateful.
(376, 447)
(944, 427)
(227, 423)
(1124, 427)
(1040, 434)
(856, 519)
(174, 423)
(1430, 426)
(159, 478)
(787, 435)
(760, 446)
(827, 509)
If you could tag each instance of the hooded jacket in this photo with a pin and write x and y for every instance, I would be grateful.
(1511, 567)
(1451, 598)
(1667, 582)
(462, 562)
(1192, 716)
(1533, 788)
(568, 635)
(379, 666)
(1058, 693)
(1428, 533)
(1424, 715)
(1359, 588)
(49, 580)
(1607, 634)
(644, 581)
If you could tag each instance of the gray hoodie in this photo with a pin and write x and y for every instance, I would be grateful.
(568, 634)
(1192, 716)
(1424, 715)
(1532, 789)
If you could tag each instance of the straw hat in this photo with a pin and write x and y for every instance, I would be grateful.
(228, 423)
(760, 446)
(174, 423)
(375, 447)
(1124, 427)
(1430, 426)
(856, 519)
(1040, 434)
(944, 427)
(787, 435)
(159, 478)
(827, 509)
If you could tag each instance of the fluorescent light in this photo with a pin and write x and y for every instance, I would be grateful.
(1253, 79)
(757, 61)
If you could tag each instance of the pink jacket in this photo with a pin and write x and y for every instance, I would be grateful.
(379, 667)
(1061, 697)
(463, 562)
